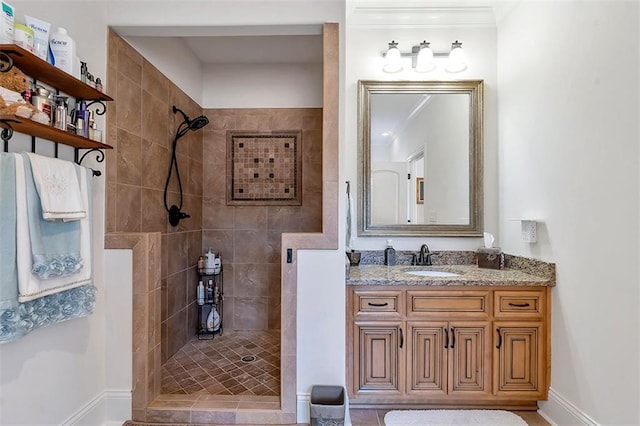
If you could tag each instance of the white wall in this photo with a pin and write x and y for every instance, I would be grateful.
(365, 43)
(568, 131)
(48, 375)
(262, 86)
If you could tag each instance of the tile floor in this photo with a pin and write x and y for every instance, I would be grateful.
(364, 417)
(215, 367)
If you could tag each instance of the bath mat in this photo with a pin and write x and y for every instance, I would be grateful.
(135, 423)
(452, 417)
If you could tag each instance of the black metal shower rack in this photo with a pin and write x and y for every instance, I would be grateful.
(40, 70)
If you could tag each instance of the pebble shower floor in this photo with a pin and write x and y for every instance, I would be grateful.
(216, 367)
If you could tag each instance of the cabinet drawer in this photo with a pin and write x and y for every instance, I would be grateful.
(387, 303)
(448, 304)
(519, 303)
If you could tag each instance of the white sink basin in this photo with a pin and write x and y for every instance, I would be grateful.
(433, 273)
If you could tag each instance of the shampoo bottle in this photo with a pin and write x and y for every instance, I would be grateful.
(210, 292)
(209, 259)
(63, 49)
(200, 293)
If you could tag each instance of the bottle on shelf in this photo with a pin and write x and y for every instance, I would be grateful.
(216, 319)
(209, 259)
(210, 320)
(200, 293)
(201, 265)
(210, 292)
(217, 264)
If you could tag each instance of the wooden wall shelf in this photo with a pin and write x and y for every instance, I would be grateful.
(43, 71)
(33, 128)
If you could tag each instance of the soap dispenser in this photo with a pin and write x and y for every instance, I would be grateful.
(389, 254)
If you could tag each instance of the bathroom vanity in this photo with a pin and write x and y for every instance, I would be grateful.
(458, 336)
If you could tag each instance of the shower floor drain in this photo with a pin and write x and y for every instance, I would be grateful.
(248, 358)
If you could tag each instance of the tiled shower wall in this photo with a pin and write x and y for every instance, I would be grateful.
(141, 127)
(248, 237)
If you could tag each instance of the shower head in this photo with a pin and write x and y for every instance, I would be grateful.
(195, 124)
(198, 123)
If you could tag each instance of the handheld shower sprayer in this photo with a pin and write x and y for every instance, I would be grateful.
(175, 211)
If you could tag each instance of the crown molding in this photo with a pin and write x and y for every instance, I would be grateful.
(413, 15)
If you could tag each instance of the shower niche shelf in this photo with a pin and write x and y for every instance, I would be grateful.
(42, 71)
(203, 332)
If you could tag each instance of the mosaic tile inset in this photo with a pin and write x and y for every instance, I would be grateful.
(264, 168)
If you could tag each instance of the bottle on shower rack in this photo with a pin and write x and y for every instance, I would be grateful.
(210, 292)
(209, 260)
(200, 293)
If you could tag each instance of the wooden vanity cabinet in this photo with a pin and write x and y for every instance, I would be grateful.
(447, 346)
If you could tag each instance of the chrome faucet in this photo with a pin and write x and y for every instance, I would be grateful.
(424, 257)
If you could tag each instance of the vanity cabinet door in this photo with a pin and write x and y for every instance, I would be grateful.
(427, 350)
(520, 359)
(470, 358)
(377, 358)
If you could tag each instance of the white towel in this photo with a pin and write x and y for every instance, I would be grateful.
(29, 285)
(58, 188)
(351, 223)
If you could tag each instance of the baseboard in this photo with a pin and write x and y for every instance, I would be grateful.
(560, 411)
(108, 407)
(303, 414)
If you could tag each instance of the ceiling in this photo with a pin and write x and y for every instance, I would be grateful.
(242, 44)
(247, 49)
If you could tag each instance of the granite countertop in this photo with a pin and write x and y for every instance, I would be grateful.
(518, 272)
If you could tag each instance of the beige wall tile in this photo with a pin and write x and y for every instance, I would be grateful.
(250, 217)
(176, 332)
(129, 158)
(221, 242)
(176, 293)
(153, 214)
(154, 82)
(250, 246)
(128, 205)
(155, 114)
(129, 110)
(252, 280)
(250, 313)
(177, 243)
(216, 214)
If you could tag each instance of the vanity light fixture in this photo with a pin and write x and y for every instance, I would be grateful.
(392, 62)
(423, 58)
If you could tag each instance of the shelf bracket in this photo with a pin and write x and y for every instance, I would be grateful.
(99, 158)
(102, 108)
(6, 63)
(7, 133)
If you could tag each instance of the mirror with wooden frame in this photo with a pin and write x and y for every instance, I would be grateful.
(420, 158)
